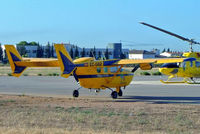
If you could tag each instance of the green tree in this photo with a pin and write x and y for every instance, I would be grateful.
(52, 50)
(22, 50)
(91, 53)
(99, 55)
(71, 53)
(1, 53)
(33, 43)
(48, 50)
(94, 52)
(163, 50)
(40, 52)
(23, 43)
(21, 47)
(122, 56)
(83, 53)
(5, 59)
(107, 53)
(76, 52)
(168, 50)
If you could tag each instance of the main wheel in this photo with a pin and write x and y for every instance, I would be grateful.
(114, 95)
(75, 93)
(120, 92)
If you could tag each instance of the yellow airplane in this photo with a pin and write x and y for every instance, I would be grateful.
(91, 74)
(189, 68)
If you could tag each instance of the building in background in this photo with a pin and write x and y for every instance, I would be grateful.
(117, 49)
(114, 50)
(31, 51)
(171, 54)
(141, 54)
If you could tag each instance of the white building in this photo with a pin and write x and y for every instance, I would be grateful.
(171, 54)
(141, 54)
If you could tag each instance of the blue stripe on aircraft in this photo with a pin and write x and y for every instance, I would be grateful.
(18, 69)
(190, 59)
(101, 75)
(68, 65)
(110, 62)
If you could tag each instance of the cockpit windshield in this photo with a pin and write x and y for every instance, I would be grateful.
(170, 65)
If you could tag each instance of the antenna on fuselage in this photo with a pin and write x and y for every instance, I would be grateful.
(191, 41)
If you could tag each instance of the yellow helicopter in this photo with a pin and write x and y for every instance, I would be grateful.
(188, 69)
(89, 73)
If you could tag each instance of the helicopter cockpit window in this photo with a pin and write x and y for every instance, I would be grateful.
(170, 65)
(98, 69)
(197, 64)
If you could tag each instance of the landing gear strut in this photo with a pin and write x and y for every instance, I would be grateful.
(120, 93)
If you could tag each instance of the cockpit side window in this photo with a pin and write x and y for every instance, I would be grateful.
(105, 69)
(98, 69)
(113, 69)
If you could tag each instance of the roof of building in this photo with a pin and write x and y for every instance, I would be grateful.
(140, 52)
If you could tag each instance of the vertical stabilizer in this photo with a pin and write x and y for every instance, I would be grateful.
(14, 56)
(66, 64)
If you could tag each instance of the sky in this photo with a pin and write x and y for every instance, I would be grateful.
(89, 23)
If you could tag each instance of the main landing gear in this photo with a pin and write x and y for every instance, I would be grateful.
(116, 93)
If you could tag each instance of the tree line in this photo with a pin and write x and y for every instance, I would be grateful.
(47, 51)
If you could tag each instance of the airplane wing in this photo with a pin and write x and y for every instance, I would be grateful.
(146, 64)
(155, 61)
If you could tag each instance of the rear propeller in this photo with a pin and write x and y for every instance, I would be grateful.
(191, 41)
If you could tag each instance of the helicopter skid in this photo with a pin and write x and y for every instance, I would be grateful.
(172, 82)
(192, 82)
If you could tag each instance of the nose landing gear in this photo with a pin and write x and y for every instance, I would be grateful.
(76, 92)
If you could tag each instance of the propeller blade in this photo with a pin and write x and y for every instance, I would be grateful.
(170, 33)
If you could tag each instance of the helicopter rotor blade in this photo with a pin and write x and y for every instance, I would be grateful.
(170, 33)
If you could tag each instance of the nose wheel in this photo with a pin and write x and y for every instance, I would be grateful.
(75, 93)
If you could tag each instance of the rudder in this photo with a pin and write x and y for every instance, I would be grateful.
(66, 64)
(14, 56)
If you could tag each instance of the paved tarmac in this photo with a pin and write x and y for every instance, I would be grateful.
(142, 89)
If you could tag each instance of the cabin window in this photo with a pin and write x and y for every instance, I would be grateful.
(98, 69)
(105, 70)
(197, 64)
(113, 69)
